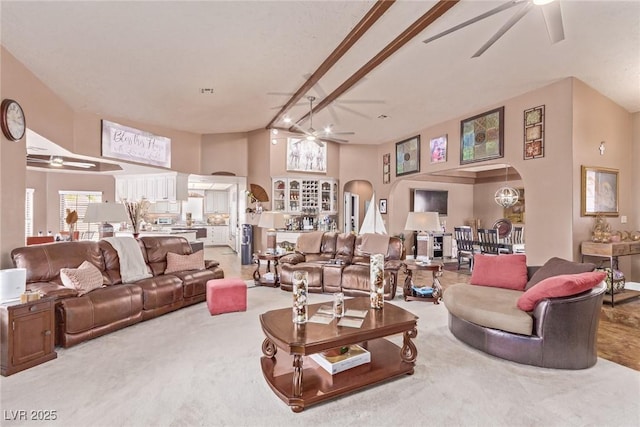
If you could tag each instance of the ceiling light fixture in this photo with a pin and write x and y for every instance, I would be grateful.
(56, 161)
(274, 131)
(507, 196)
(287, 119)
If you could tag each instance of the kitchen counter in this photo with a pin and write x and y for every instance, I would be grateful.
(201, 232)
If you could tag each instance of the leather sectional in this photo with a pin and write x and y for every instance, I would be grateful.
(115, 305)
(351, 275)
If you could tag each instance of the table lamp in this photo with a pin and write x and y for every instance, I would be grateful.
(271, 220)
(423, 223)
(104, 213)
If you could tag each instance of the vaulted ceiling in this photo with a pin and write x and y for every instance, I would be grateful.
(218, 67)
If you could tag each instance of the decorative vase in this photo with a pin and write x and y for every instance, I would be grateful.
(300, 289)
(72, 229)
(376, 279)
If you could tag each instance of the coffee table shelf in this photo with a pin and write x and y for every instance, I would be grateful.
(319, 385)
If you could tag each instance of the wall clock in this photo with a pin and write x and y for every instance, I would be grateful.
(12, 120)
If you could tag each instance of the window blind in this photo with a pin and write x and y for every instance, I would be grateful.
(77, 201)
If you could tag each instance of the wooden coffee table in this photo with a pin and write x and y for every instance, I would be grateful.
(300, 382)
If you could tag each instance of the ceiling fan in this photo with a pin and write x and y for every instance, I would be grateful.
(59, 161)
(327, 134)
(550, 10)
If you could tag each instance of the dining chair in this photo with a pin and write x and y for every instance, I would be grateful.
(464, 240)
(489, 242)
(517, 239)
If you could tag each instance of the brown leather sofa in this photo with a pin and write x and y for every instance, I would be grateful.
(350, 275)
(115, 305)
(560, 333)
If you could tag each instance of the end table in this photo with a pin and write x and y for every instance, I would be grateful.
(258, 278)
(435, 268)
(27, 334)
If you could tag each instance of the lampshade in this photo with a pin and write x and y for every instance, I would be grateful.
(271, 220)
(422, 221)
(105, 213)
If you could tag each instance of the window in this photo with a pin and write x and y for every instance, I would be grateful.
(28, 212)
(77, 201)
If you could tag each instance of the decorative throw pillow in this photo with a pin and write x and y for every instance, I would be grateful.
(556, 266)
(83, 279)
(500, 271)
(177, 262)
(563, 285)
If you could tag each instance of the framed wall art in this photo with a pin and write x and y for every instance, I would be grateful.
(534, 133)
(386, 168)
(599, 191)
(134, 145)
(482, 137)
(408, 156)
(383, 206)
(438, 149)
(306, 156)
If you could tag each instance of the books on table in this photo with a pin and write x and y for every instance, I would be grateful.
(355, 355)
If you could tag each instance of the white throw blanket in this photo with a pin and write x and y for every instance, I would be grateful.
(132, 265)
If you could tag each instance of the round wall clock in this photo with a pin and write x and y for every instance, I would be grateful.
(12, 120)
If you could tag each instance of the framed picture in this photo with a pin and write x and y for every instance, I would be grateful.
(135, 145)
(386, 168)
(482, 137)
(534, 133)
(599, 191)
(408, 156)
(306, 156)
(438, 149)
(383, 206)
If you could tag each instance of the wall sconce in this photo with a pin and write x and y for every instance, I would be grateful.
(601, 148)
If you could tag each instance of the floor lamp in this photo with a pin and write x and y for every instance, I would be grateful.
(271, 221)
(104, 213)
(423, 223)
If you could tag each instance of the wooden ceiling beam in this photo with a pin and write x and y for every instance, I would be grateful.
(378, 9)
(413, 30)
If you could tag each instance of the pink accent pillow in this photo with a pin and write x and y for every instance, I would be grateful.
(83, 279)
(559, 286)
(500, 271)
(177, 262)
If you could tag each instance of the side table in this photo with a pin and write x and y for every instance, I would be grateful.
(27, 335)
(258, 278)
(435, 268)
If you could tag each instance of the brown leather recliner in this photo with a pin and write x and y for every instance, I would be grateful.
(351, 275)
(116, 305)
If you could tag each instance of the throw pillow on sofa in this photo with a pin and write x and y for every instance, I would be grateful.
(556, 266)
(500, 271)
(563, 285)
(177, 262)
(83, 279)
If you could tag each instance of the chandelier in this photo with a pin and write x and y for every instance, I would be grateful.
(506, 196)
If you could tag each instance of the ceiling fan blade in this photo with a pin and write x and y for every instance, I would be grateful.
(294, 105)
(80, 164)
(352, 111)
(359, 101)
(553, 18)
(301, 129)
(510, 23)
(493, 11)
(36, 160)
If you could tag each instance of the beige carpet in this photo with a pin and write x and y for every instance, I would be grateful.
(188, 368)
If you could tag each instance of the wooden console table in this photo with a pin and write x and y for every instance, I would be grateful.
(612, 251)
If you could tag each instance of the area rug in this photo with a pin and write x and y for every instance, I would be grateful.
(189, 368)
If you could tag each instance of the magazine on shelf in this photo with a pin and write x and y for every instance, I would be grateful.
(334, 364)
(423, 292)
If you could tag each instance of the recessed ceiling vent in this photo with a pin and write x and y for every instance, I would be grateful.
(206, 90)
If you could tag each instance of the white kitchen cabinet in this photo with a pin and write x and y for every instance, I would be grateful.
(217, 235)
(216, 201)
(153, 187)
(163, 206)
